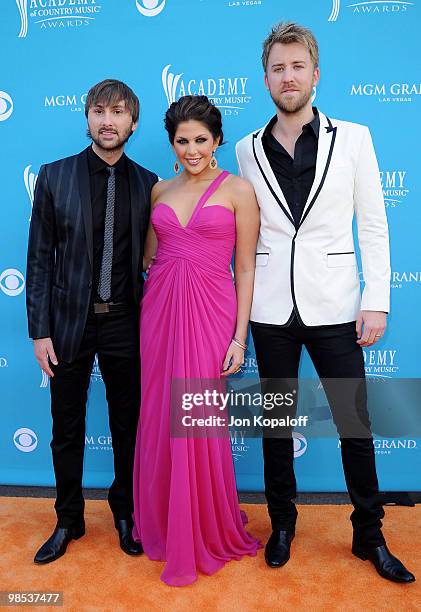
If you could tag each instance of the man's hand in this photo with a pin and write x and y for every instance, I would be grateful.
(43, 348)
(370, 327)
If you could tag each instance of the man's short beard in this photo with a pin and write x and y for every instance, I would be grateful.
(119, 145)
(299, 104)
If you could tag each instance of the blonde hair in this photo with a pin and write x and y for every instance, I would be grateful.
(287, 33)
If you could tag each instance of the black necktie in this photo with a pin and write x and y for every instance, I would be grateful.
(104, 286)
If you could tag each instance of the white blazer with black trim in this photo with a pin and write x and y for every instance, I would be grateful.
(312, 269)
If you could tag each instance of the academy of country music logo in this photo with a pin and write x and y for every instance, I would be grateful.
(25, 440)
(150, 8)
(3, 363)
(371, 7)
(57, 14)
(229, 94)
(387, 92)
(96, 375)
(238, 446)
(394, 187)
(30, 180)
(12, 282)
(6, 106)
(380, 362)
(73, 102)
(45, 379)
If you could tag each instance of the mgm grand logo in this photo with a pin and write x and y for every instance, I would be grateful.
(387, 92)
(73, 102)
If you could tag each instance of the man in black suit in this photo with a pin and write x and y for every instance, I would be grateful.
(84, 284)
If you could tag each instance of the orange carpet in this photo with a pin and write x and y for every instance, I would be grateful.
(322, 574)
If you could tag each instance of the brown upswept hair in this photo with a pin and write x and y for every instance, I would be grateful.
(111, 92)
(199, 108)
(290, 32)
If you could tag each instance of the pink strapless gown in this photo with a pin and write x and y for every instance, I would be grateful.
(186, 508)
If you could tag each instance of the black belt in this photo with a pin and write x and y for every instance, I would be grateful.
(103, 307)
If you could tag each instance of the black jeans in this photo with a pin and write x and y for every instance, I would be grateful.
(114, 337)
(335, 355)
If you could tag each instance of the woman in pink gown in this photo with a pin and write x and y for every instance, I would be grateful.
(193, 326)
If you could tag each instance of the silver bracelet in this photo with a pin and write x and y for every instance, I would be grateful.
(240, 344)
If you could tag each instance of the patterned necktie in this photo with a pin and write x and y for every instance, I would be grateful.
(104, 286)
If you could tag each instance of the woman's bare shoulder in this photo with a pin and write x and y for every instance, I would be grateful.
(160, 188)
(241, 187)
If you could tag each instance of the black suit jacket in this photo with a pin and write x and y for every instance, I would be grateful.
(60, 250)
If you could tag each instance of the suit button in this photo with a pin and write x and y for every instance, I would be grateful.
(89, 285)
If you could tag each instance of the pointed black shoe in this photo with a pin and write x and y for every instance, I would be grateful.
(127, 544)
(386, 564)
(56, 545)
(277, 550)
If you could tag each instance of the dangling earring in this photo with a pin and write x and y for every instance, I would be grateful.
(176, 166)
(213, 164)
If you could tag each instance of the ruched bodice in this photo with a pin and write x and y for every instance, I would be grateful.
(207, 240)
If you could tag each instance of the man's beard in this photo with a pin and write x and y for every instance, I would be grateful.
(293, 105)
(121, 141)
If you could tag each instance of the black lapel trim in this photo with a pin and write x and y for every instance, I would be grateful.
(137, 199)
(85, 200)
(329, 129)
(268, 183)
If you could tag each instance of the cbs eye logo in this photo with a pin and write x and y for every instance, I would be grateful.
(300, 444)
(25, 440)
(150, 8)
(6, 106)
(12, 282)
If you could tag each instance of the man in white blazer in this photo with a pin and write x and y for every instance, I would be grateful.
(311, 175)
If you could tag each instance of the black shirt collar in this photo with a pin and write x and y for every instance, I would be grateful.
(314, 126)
(96, 164)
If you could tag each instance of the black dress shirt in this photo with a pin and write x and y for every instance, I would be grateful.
(121, 277)
(294, 175)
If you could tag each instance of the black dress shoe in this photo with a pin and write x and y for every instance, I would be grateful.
(127, 543)
(278, 547)
(386, 564)
(56, 545)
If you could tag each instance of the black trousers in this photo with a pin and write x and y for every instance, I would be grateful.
(114, 336)
(335, 355)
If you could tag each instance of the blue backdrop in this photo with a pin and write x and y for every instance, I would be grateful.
(54, 50)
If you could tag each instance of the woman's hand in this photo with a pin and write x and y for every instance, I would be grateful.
(146, 266)
(233, 361)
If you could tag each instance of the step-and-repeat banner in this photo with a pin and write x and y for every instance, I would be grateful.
(54, 50)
